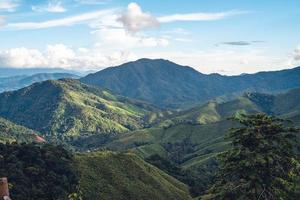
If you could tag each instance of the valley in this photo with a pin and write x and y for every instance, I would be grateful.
(138, 149)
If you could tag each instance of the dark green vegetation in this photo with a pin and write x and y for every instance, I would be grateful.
(124, 176)
(167, 84)
(38, 172)
(262, 163)
(17, 82)
(10, 132)
(192, 139)
(50, 172)
(66, 110)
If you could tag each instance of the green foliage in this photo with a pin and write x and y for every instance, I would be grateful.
(66, 110)
(121, 176)
(38, 172)
(196, 182)
(192, 144)
(10, 132)
(262, 163)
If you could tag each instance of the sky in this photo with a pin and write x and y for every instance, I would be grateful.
(228, 37)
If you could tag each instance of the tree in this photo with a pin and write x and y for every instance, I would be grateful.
(38, 172)
(262, 163)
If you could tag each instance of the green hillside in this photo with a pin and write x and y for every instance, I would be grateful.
(203, 127)
(10, 132)
(118, 176)
(192, 139)
(67, 110)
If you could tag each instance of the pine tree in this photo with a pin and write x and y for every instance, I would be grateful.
(262, 163)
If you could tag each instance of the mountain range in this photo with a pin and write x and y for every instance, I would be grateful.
(17, 82)
(169, 85)
(171, 116)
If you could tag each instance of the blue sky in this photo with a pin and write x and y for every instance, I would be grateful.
(227, 37)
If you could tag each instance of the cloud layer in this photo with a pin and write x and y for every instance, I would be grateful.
(199, 16)
(53, 6)
(67, 21)
(61, 56)
(8, 5)
(296, 53)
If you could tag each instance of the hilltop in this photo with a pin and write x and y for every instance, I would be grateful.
(65, 110)
(169, 85)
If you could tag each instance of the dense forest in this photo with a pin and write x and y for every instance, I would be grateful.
(262, 163)
(38, 172)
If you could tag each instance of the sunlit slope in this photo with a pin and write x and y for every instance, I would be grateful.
(67, 109)
(192, 137)
(11, 132)
(118, 176)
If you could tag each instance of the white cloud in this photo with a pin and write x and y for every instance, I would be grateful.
(92, 2)
(296, 53)
(198, 16)
(217, 61)
(68, 21)
(229, 62)
(22, 57)
(117, 39)
(2, 21)
(135, 20)
(8, 5)
(61, 56)
(52, 6)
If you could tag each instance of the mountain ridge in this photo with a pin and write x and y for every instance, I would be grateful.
(66, 108)
(169, 85)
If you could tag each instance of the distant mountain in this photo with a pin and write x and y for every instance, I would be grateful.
(11, 132)
(67, 109)
(17, 82)
(9, 72)
(170, 85)
(118, 176)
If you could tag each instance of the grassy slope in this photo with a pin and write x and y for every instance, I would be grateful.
(66, 108)
(10, 132)
(107, 175)
(200, 131)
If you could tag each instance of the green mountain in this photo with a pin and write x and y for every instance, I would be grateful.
(67, 109)
(170, 85)
(17, 82)
(11, 132)
(120, 176)
(203, 127)
(191, 139)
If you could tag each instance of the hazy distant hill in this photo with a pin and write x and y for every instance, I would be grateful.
(65, 109)
(167, 84)
(9, 72)
(17, 82)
